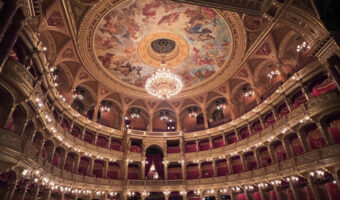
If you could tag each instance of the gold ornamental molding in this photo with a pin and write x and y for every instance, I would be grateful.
(89, 59)
(153, 58)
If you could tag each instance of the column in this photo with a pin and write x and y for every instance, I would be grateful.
(63, 163)
(109, 143)
(304, 141)
(49, 194)
(7, 13)
(289, 104)
(77, 165)
(262, 194)
(206, 119)
(334, 62)
(184, 175)
(143, 168)
(287, 148)
(106, 168)
(52, 156)
(258, 158)
(9, 114)
(277, 192)
(305, 92)
(249, 128)
(328, 138)
(178, 122)
(23, 191)
(314, 189)
(199, 169)
(210, 142)
(23, 128)
(262, 123)
(272, 154)
(95, 138)
(91, 166)
(295, 194)
(11, 189)
(236, 134)
(150, 122)
(11, 36)
(230, 169)
(223, 137)
(165, 170)
(95, 113)
(244, 164)
(214, 167)
(36, 192)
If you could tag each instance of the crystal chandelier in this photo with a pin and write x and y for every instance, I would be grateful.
(220, 104)
(273, 74)
(302, 47)
(163, 84)
(105, 106)
(193, 112)
(135, 113)
(164, 116)
(248, 92)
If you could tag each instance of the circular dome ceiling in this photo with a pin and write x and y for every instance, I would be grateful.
(125, 38)
(121, 44)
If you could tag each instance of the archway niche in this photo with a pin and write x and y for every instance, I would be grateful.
(154, 168)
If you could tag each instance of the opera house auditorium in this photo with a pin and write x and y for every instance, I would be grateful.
(169, 100)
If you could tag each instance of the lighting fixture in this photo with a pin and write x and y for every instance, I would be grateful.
(164, 116)
(78, 94)
(105, 106)
(193, 112)
(163, 84)
(302, 47)
(248, 92)
(220, 104)
(135, 113)
(273, 74)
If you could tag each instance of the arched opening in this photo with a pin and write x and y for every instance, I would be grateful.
(314, 136)
(298, 99)
(192, 171)
(6, 104)
(17, 123)
(70, 162)
(155, 195)
(133, 171)
(321, 85)
(102, 141)
(333, 125)
(265, 157)
(231, 138)
(174, 171)
(38, 140)
(57, 157)
(98, 168)
(138, 119)
(164, 121)
(257, 127)
(113, 170)
(244, 133)
(190, 147)
(47, 150)
(29, 131)
(204, 145)
(154, 168)
(250, 160)
(207, 170)
(84, 164)
(222, 167)
(295, 144)
(109, 114)
(280, 151)
(236, 164)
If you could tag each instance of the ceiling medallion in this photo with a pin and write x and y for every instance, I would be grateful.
(163, 84)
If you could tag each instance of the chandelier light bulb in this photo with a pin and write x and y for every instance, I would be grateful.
(163, 84)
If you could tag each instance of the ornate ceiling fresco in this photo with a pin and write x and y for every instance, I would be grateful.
(105, 47)
(115, 44)
(124, 35)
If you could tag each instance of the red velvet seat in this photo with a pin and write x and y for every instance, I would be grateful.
(270, 119)
(174, 149)
(204, 145)
(334, 129)
(218, 142)
(190, 147)
(135, 148)
(283, 110)
(257, 127)
(323, 87)
(112, 174)
(299, 99)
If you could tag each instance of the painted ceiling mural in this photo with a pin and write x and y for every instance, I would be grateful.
(120, 32)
